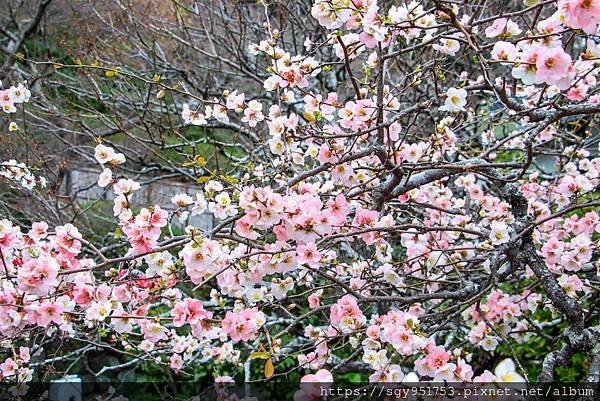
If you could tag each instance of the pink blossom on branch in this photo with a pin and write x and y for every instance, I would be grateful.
(367, 198)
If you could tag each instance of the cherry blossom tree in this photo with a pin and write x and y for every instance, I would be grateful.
(407, 190)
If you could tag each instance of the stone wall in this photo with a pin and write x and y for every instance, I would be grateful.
(83, 185)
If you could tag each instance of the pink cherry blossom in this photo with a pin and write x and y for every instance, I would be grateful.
(553, 65)
(581, 14)
(49, 312)
(240, 326)
(309, 254)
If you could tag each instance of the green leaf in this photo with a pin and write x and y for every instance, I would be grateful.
(260, 355)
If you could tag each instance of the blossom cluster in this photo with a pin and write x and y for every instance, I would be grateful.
(362, 224)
